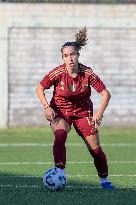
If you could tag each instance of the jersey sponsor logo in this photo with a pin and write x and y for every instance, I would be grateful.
(62, 85)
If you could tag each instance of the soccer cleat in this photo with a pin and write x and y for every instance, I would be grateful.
(107, 186)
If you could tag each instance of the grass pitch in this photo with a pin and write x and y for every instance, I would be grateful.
(26, 153)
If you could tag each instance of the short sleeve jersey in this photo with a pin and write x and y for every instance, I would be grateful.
(73, 95)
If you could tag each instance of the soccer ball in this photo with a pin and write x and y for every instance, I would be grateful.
(55, 179)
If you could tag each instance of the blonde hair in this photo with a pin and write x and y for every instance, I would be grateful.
(80, 41)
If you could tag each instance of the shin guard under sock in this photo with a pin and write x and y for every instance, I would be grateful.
(59, 149)
(100, 162)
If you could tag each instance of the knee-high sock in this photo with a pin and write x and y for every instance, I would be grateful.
(100, 162)
(59, 149)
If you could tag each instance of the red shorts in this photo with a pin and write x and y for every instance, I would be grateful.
(84, 126)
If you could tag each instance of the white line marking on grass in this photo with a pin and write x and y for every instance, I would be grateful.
(68, 144)
(70, 162)
(119, 145)
(112, 175)
(122, 162)
(25, 144)
(36, 186)
(71, 176)
(67, 187)
(20, 186)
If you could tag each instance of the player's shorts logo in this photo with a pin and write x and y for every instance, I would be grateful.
(85, 85)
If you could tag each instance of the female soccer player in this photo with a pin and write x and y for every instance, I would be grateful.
(71, 104)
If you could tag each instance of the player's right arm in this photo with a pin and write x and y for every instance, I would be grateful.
(48, 80)
(49, 112)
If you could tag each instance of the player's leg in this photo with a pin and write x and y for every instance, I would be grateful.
(100, 160)
(60, 129)
(85, 128)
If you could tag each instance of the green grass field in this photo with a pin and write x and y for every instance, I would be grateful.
(26, 153)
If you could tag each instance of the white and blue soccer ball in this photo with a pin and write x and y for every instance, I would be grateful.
(54, 179)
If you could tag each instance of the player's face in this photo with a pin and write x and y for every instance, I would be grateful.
(70, 57)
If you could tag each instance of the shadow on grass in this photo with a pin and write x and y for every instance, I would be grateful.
(22, 190)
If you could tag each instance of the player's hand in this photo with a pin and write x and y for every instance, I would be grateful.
(50, 114)
(97, 119)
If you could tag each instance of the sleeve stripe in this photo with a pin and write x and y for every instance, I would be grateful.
(56, 73)
(89, 72)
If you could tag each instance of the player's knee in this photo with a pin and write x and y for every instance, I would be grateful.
(60, 137)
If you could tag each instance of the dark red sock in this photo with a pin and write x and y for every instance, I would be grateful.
(100, 162)
(59, 149)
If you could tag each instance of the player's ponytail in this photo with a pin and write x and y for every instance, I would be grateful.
(80, 41)
(81, 38)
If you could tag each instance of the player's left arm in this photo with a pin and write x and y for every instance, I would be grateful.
(99, 86)
(104, 102)
(98, 115)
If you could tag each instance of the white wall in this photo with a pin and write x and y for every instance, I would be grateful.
(30, 39)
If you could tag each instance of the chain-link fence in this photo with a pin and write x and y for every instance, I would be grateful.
(74, 1)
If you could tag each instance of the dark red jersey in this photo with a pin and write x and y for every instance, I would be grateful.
(72, 95)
